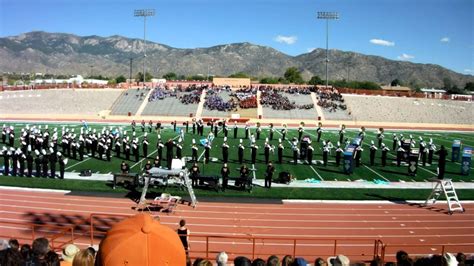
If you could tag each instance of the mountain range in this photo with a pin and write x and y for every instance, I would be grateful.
(62, 53)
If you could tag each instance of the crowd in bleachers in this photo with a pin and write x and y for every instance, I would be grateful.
(330, 99)
(160, 93)
(279, 102)
(247, 97)
(192, 98)
(215, 102)
(39, 253)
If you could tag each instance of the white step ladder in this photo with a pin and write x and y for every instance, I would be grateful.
(446, 187)
(188, 184)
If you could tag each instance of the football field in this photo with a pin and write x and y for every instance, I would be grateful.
(316, 172)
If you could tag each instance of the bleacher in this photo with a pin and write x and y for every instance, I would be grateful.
(298, 99)
(58, 101)
(129, 102)
(170, 106)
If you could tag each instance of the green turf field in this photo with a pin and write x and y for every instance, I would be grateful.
(301, 171)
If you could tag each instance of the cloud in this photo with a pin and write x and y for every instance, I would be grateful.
(445, 39)
(405, 57)
(309, 50)
(285, 39)
(382, 42)
(467, 70)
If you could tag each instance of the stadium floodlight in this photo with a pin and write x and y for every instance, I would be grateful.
(327, 16)
(144, 13)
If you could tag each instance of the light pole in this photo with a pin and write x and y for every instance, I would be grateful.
(144, 13)
(327, 16)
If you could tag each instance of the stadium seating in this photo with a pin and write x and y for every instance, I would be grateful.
(129, 102)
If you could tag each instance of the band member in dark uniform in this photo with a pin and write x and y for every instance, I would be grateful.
(14, 157)
(124, 168)
(271, 131)
(395, 141)
(127, 151)
(133, 124)
(280, 151)
(258, 131)
(342, 130)
(325, 153)
(244, 175)
(269, 175)
(38, 162)
(442, 153)
(194, 152)
(157, 162)
(358, 155)
(300, 132)
(179, 149)
(254, 149)
(266, 151)
(309, 154)
(29, 162)
(295, 155)
(147, 167)
(169, 152)
(21, 160)
(373, 149)
(143, 126)
(431, 150)
(236, 128)
(385, 151)
(247, 131)
(339, 151)
(135, 150)
(159, 147)
(400, 152)
(225, 176)
(145, 146)
(62, 166)
(150, 126)
(283, 132)
(241, 152)
(53, 158)
(194, 173)
(380, 137)
(225, 151)
(44, 163)
(194, 126)
(319, 131)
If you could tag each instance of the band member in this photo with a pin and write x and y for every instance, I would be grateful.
(157, 162)
(159, 147)
(300, 131)
(145, 146)
(29, 162)
(150, 126)
(358, 155)
(194, 153)
(258, 131)
(247, 130)
(225, 176)
(143, 126)
(117, 148)
(339, 151)
(53, 158)
(319, 131)
(194, 126)
(207, 151)
(283, 132)
(342, 131)
(373, 150)
(135, 149)
(241, 152)
(385, 151)
(62, 165)
(38, 162)
(147, 167)
(309, 154)
(380, 137)
(124, 167)
(44, 163)
(179, 148)
(271, 130)
(266, 152)
(442, 153)
(254, 149)
(244, 175)
(296, 151)
(236, 128)
(133, 124)
(169, 152)
(269, 175)
(431, 150)
(194, 173)
(400, 152)
(280, 151)
(225, 151)
(325, 153)
(394, 141)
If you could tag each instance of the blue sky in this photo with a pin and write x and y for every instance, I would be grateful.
(422, 31)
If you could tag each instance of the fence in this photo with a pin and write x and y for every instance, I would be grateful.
(58, 235)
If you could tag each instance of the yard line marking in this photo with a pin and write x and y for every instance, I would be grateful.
(69, 167)
(155, 151)
(317, 173)
(428, 170)
(376, 173)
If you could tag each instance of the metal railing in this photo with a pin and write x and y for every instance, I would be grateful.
(58, 235)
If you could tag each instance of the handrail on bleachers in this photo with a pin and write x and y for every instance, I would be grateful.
(54, 239)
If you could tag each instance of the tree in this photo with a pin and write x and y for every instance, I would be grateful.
(170, 76)
(120, 79)
(139, 76)
(447, 84)
(239, 75)
(395, 82)
(315, 80)
(469, 86)
(292, 75)
(269, 80)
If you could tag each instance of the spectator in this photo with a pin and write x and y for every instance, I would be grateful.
(258, 262)
(68, 254)
(222, 258)
(40, 249)
(52, 259)
(403, 258)
(83, 258)
(287, 260)
(25, 251)
(339, 260)
(11, 256)
(376, 262)
(461, 258)
(183, 233)
(320, 262)
(273, 261)
(301, 262)
(140, 240)
(242, 261)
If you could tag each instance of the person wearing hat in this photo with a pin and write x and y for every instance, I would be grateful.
(68, 254)
(358, 155)
(258, 131)
(169, 152)
(194, 174)
(373, 149)
(6, 161)
(280, 151)
(225, 172)
(62, 165)
(241, 151)
(247, 130)
(225, 151)
(269, 175)
(254, 149)
(431, 150)
(339, 260)
(179, 149)
(150, 126)
(395, 141)
(339, 151)
(133, 124)
(159, 147)
(124, 168)
(309, 154)
(207, 151)
(14, 156)
(141, 240)
(29, 162)
(283, 132)
(266, 151)
(44, 163)
(145, 146)
(194, 126)
(400, 152)
(236, 128)
(300, 132)
(157, 162)
(385, 151)
(52, 163)
(325, 153)
(38, 162)
(194, 151)
(142, 125)
(271, 130)
(319, 132)
(135, 149)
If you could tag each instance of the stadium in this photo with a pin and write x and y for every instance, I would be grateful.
(234, 171)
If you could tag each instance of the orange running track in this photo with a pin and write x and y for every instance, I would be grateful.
(353, 226)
